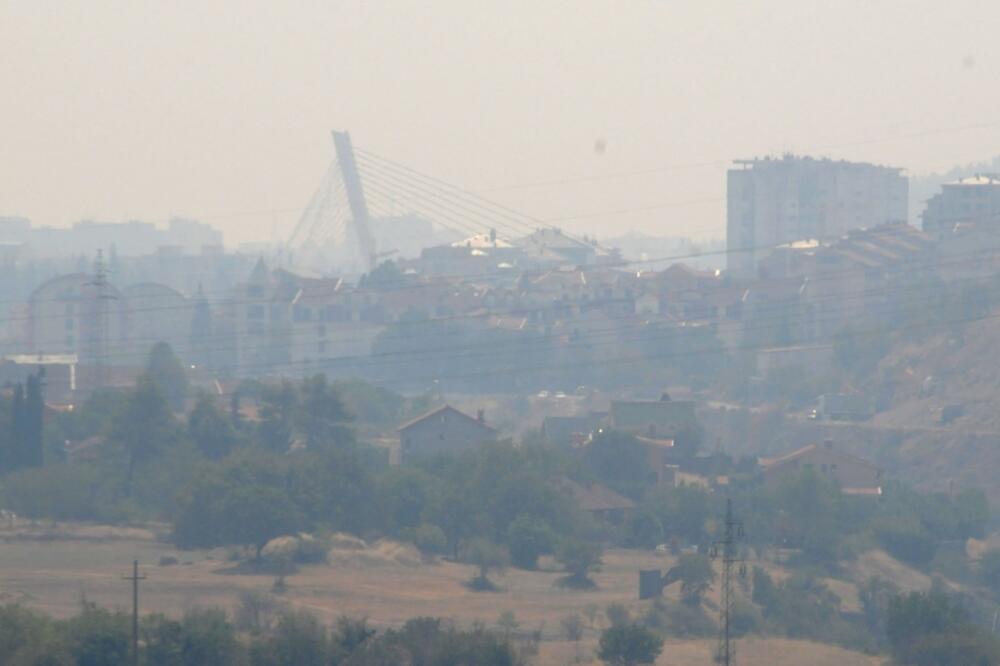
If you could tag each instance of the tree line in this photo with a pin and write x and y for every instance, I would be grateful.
(256, 636)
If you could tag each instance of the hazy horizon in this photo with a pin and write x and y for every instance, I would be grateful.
(117, 111)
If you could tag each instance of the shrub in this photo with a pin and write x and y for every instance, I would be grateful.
(681, 620)
(488, 558)
(528, 537)
(429, 539)
(311, 549)
(907, 542)
(629, 645)
(58, 492)
(580, 559)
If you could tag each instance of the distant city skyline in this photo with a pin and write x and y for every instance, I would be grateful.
(601, 117)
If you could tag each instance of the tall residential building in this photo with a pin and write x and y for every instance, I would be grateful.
(970, 201)
(773, 201)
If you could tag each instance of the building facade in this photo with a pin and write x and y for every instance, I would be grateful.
(770, 202)
(854, 476)
(444, 430)
(969, 201)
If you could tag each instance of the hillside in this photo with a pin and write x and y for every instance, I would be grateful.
(952, 368)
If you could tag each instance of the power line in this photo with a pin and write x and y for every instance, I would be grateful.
(452, 199)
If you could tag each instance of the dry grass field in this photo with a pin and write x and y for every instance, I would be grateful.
(51, 567)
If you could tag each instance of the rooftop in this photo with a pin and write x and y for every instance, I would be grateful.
(978, 179)
(441, 411)
(595, 497)
(805, 450)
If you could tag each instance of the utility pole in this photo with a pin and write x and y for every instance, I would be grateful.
(135, 578)
(728, 551)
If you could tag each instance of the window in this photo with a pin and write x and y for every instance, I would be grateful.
(337, 313)
(69, 324)
(255, 312)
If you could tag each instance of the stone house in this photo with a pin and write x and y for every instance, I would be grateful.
(443, 430)
(854, 476)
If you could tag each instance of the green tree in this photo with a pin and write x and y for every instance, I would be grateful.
(210, 430)
(688, 440)
(528, 537)
(162, 639)
(369, 402)
(168, 373)
(209, 638)
(253, 515)
(629, 645)
(31, 446)
(322, 416)
(875, 595)
(920, 625)
(350, 635)
(15, 456)
(277, 413)
(619, 460)
(989, 569)
(57, 492)
(765, 592)
(617, 614)
(334, 487)
(580, 559)
(430, 641)
(696, 575)
(27, 637)
(906, 540)
(98, 637)
(488, 558)
(143, 426)
(403, 495)
(298, 640)
(807, 510)
(429, 539)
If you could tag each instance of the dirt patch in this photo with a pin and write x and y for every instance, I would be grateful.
(881, 564)
(26, 531)
(385, 582)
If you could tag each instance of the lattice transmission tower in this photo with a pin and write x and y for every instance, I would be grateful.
(727, 550)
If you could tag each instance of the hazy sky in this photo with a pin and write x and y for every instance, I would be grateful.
(222, 110)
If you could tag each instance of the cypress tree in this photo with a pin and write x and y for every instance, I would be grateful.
(34, 409)
(14, 458)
